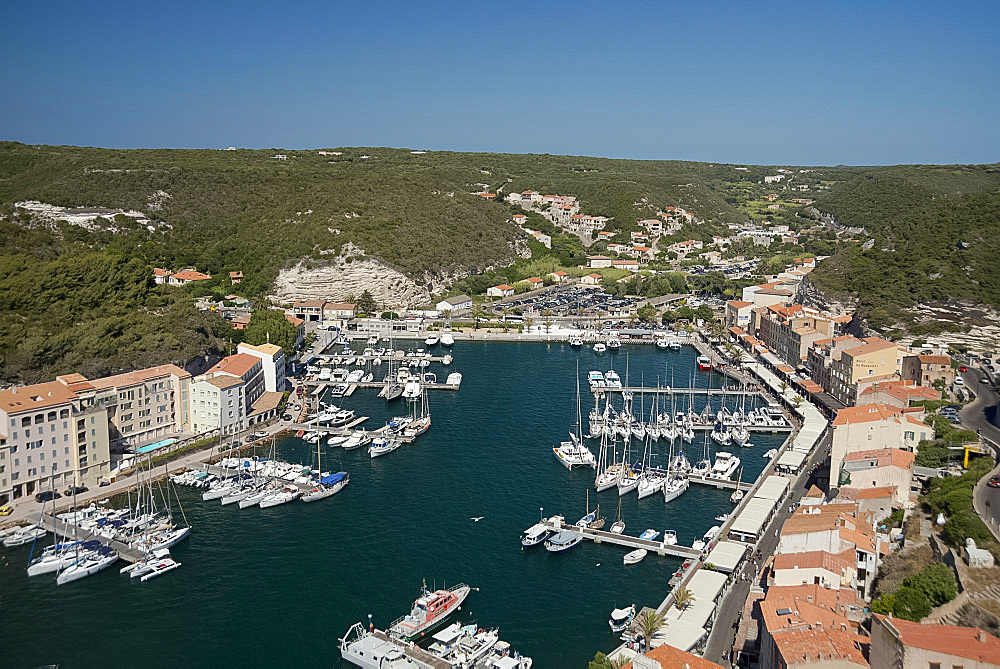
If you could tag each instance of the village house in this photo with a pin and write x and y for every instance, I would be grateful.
(872, 427)
(308, 310)
(738, 314)
(630, 265)
(686, 247)
(559, 276)
(879, 502)
(640, 253)
(186, 276)
(161, 275)
(236, 277)
(898, 643)
(272, 359)
(897, 393)
(653, 225)
(618, 248)
(771, 197)
(240, 322)
(598, 262)
(592, 279)
(503, 290)
(876, 359)
(300, 328)
(605, 235)
(883, 467)
(925, 370)
(534, 282)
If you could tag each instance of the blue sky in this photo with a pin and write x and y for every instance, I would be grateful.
(744, 82)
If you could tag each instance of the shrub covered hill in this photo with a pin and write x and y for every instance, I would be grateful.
(78, 297)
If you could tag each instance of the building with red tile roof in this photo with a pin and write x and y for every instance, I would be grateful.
(186, 276)
(668, 657)
(902, 643)
(873, 427)
(924, 370)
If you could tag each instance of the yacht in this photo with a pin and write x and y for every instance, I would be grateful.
(599, 347)
(770, 454)
(447, 339)
(454, 379)
(432, 340)
(357, 440)
(650, 535)
(725, 465)
(576, 341)
(534, 535)
(328, 486)
(596, 379)
(669, 538)
(611, 379)
(740, 435)
(650, 481)
(675, 345)
(87, 564)
(283, 496)
(704, 362)
(563, 541)
(446, 360)
(661, 342)
(614, 343)
(628, 481)
(573, 454)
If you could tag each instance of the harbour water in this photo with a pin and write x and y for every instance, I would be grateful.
(279, 586)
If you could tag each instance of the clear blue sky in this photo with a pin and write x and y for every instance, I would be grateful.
(743, 82)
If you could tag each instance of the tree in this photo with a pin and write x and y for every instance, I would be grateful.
(911, 604)
(683, 598)
(647, 314)
(366, 304)
(270, 326)
(649, 623)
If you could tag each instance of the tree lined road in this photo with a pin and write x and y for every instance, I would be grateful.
(979, 416)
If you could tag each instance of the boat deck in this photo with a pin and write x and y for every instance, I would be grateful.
(600, 537)
(69, 529)
(414, 652)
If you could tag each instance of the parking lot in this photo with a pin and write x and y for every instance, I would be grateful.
(566, 301)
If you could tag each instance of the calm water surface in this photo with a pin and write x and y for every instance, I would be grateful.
(280, 586)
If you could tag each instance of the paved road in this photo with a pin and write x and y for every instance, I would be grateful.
(729, 611)
(981, 416)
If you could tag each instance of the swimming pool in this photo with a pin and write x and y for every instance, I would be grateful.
(152, 447)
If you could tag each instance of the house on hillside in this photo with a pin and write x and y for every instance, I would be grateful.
(503, 290)
(457, 303)
(592, 279)
(186, 276)
(236, 277)
(559, 276)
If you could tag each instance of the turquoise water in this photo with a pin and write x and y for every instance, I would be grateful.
(281, 585)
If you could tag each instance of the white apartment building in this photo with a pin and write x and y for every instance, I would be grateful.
(218, 403)
(273, 362)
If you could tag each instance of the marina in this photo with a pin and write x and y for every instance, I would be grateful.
(476, 462)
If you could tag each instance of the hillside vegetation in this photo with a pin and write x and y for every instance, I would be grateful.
(75, 298)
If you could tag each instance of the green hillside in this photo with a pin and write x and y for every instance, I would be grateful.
(73, 298)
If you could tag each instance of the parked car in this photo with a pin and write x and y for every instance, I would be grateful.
(6, 510)
(47, 495)
(993, 483)
(77, 489)
(963, 368)
(959, 381)
(286, 416)
(260, 435)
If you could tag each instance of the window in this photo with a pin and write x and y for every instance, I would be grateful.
(51, 416)
(26, 421)
(39, 418)
(64, 413)
(934, 665)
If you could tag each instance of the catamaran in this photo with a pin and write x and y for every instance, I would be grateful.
(573, 453)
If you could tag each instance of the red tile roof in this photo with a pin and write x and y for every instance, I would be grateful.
(190, 275)
(834, 562)
(236, 365)
(739, 304)
(32, 398)
(968, 642)
(934, 359)
(671, 658)
(139, 375)
(886, 457)
(865, 413)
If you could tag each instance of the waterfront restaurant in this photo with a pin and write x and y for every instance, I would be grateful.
(753, 518)
(726, 556)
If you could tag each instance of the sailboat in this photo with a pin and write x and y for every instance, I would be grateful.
(573, 452)
(327, 484)
(618, 527)
(738, 493)
(607, 474)
(652, 478)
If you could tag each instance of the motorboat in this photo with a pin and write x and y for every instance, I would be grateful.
(725, 465)
(563, 541)
(383, 445)
(357, 440)
(447, 339)
(612, 379)
(576, 341)
(698, 545)
(614, 343)
(675, 345)
(704, 362)
(669, 538)
(337, 440)
(650, 535)
(596, 379)
(454, 379)
(711, 534)
(769, 455)
(534, 535)
(432, 340)
(621, 618)
(23, 536)
(635, 556)
(600, 347)
(661, 343)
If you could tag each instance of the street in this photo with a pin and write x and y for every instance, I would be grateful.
(979, 416)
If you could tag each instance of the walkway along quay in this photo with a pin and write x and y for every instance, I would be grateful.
(68, 529)
(601, 537)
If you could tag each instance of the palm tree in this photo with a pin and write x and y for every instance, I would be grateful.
(649, 623)
(683, 598)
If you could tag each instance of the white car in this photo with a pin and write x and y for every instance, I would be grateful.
(959, 381)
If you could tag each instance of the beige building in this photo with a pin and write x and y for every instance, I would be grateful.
(218, 403)
(52, 435)
(830, 570)
(901, 644)
(875, 359)
(273, 362)
(885, 467)
(144, 405)
(873, 427)
(247, 368)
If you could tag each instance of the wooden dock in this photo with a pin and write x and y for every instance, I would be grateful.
(722, 484)
(326, 429)
(414, 652)
(68, 529)
(602, 537)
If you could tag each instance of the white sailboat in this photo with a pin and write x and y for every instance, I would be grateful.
(608, 473)
(574, 453)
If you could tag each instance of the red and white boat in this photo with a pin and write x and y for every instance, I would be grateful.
(704, 362)
(429, 610)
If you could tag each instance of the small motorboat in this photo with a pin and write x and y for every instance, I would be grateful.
(704, 362)
(669, 538)
(770, 454)
(432, 340)
(650, 535)
(635, 556)
(600, 347)
(621, 619)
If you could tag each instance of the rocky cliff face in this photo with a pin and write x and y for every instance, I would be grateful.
(337, 279)
(811, 296)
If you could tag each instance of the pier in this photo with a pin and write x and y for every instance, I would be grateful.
(722, 484)
(601, 537)
(68, 529)
(320, 386)
(339, 358)
(668, 390)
